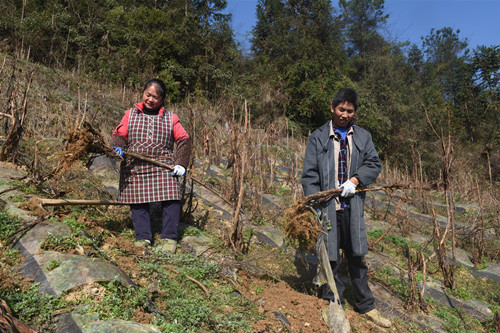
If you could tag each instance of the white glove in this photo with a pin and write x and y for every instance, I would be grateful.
(178, 170)
(348, 189)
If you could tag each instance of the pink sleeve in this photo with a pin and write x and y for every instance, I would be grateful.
(179, 132)
(122, 128)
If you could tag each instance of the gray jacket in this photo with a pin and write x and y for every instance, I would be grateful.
(319, 174)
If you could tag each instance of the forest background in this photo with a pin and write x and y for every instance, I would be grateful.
(302, 52)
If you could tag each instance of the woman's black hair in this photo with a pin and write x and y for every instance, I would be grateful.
(159, 85)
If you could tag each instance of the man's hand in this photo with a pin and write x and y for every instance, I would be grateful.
(118, 151)
(348, 189)
(179, 171)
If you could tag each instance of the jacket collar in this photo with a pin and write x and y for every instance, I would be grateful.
(325, 138)
(332, 130)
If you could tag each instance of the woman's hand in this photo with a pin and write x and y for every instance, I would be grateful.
(118, 151)
(179, 170)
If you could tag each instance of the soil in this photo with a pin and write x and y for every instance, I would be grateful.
(283, 307)
(287, 310)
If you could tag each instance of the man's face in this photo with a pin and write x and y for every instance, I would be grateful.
(342, 114)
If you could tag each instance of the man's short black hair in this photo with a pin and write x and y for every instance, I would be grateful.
(346, 95)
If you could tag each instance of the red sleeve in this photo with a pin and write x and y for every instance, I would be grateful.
(179, 132)
(122, 128)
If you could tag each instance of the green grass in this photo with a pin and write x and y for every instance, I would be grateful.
(478, 288)
(31, 307)
(11, 257)
(456, 321)
(116, 295)
(63, 243)
(394, 240)
(186, 308)
(74, 224)
(52, 264)
(23, 186)
(18, 198)
(8, 225)
(191, 231)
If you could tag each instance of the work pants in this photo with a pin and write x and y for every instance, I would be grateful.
(363, 297)
(141, 218)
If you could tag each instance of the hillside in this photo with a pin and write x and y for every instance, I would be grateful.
(265, 285)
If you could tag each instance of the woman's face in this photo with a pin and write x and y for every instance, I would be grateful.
(152, 98)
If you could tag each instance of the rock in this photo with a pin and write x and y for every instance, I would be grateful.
(438, 293)
(273, 201)
(269, 235)
(215, 171)
(90, 323)
(220, 206)
(491, 272)
(16, 212)
(107, 168)
(390, 305)
(70, 271)
(104, 166)
(9, 171)
(462, 258)
(29, 244)
(195, 245)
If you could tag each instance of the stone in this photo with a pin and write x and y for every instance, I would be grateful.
(195, 245)
(273, 201)
(70, 271)
(90, 323)
(29, 244)
(269, 235)
(438, 293)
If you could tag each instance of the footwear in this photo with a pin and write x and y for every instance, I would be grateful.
(376, 317)
(168, 246)
(143, 243)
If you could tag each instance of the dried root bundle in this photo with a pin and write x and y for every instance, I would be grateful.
(79, 143)
(301, 225)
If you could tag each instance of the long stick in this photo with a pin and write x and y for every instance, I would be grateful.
(150, 160)
(327, 195)
(337, 319)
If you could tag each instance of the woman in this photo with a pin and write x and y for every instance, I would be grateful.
(149, 130)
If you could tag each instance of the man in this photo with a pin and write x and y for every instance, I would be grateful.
(341, 155)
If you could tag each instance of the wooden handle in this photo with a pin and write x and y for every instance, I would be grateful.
(64, 202)
(36, 203)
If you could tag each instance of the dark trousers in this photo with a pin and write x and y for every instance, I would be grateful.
(363, 297)
(141, 217)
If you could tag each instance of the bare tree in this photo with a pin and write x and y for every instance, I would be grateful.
(15, 116)
(447, 268)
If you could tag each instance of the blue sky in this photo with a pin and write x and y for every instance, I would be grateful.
(478, 20)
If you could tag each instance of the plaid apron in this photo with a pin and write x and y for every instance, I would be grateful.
(141, 181)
